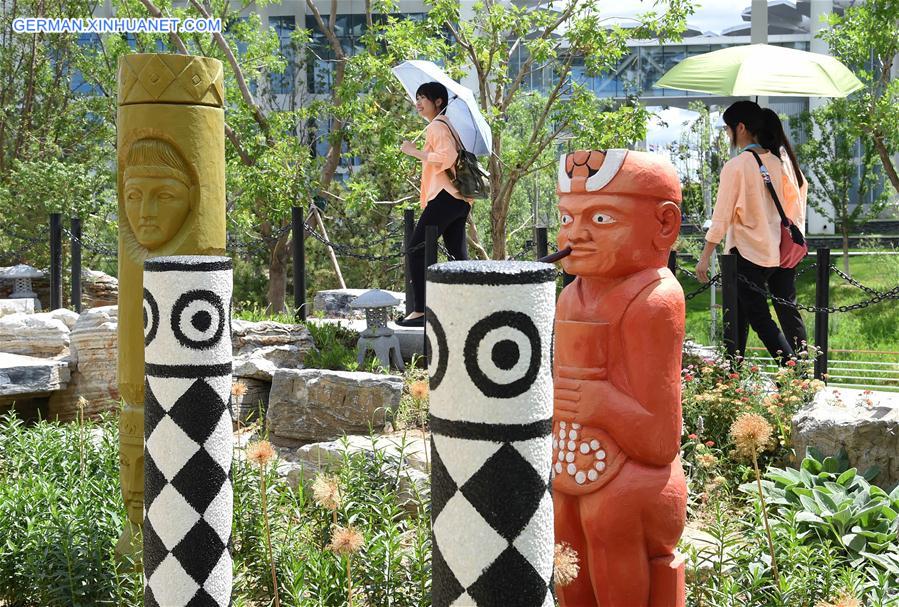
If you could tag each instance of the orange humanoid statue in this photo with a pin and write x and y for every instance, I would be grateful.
(619, 488)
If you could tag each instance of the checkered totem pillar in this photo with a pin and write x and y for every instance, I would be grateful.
(187, 465)
(489, 333)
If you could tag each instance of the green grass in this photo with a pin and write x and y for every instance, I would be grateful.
(872, 330)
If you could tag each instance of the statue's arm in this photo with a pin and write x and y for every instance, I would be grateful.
(646, 423)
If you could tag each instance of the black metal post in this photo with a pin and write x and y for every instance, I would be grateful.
(298, 232)
(672, 262)
(430, 259)
(408, 230)
(76, 263)
(729, 302)
(540, 238)
(822, 300)
(55, 261)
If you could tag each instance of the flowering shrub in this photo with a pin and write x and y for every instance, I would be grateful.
(715, 394)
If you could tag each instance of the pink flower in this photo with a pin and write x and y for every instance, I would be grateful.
(710, 443)
(734, 376)
(754, 368)
(791, 363)
(692, 436)
(688, 377)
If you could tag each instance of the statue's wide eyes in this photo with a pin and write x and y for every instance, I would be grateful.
(602, 218)
(566, 219)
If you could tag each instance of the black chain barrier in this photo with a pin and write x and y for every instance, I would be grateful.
(880, 296)
(857, 284)
(92, 245)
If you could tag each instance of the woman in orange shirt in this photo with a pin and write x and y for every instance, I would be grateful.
(747, 219)
(443, 206)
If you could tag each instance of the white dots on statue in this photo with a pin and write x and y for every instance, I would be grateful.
(555, 443)
(600, 466)
(569, 457)
(580, 477)
(593, 475)
(572, 435)
(600, 455)
(563, 425)
(585, 448)
(576, 426)
(571, 469)
(561, 456)
(594, 444)
(558, 468)
(562, 434)
(571, 445)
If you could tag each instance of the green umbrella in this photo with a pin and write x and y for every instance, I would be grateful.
(760, 69)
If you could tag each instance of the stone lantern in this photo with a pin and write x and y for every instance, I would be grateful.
(21, 276)
(377, 335)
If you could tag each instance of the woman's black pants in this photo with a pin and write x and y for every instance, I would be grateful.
(753, 311)
(449, 215)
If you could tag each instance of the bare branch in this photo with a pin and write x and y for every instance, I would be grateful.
(223, 45)
(174, 37)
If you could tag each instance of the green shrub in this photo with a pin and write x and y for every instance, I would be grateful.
(61, 515)
(831, 502)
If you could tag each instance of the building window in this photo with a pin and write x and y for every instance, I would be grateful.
(283, 83)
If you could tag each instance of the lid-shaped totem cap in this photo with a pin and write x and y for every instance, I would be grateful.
(375, 298)
(170, 78)
(619, 171)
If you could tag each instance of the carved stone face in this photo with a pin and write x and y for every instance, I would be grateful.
(610, 235)
(156, 207)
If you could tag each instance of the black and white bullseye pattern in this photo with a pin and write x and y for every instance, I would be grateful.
(188, 441)
(490, 327)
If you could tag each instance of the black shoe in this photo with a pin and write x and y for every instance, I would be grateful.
(418, 321)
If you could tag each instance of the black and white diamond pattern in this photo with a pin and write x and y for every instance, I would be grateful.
(492, 521)
(188, 492)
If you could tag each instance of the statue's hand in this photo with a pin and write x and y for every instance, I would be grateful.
(579, 400)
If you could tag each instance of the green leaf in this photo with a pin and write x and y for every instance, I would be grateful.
(855, 542)
(812, 466)
(810, 504)
(847, 477)
(871, 473)
(808, 517)
(831, 464)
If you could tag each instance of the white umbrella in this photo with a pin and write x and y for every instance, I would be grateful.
(462, 110)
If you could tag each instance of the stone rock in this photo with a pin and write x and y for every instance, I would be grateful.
(94, 358)
(44, 335)
(98, 289)
(16, 306)
(311, 405)
(865, 424)
(260, 348)
(27, 375)
(407, 453)
(66, 316)
(335, 303)
(245, 408)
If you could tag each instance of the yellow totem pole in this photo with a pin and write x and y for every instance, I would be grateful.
(171, 189)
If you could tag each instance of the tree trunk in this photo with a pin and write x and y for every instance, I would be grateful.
(277, 275)
(887, 162)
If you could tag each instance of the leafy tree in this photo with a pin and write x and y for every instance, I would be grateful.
(838, 178)
(52, 134)
(866, 37)
(509, 48)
